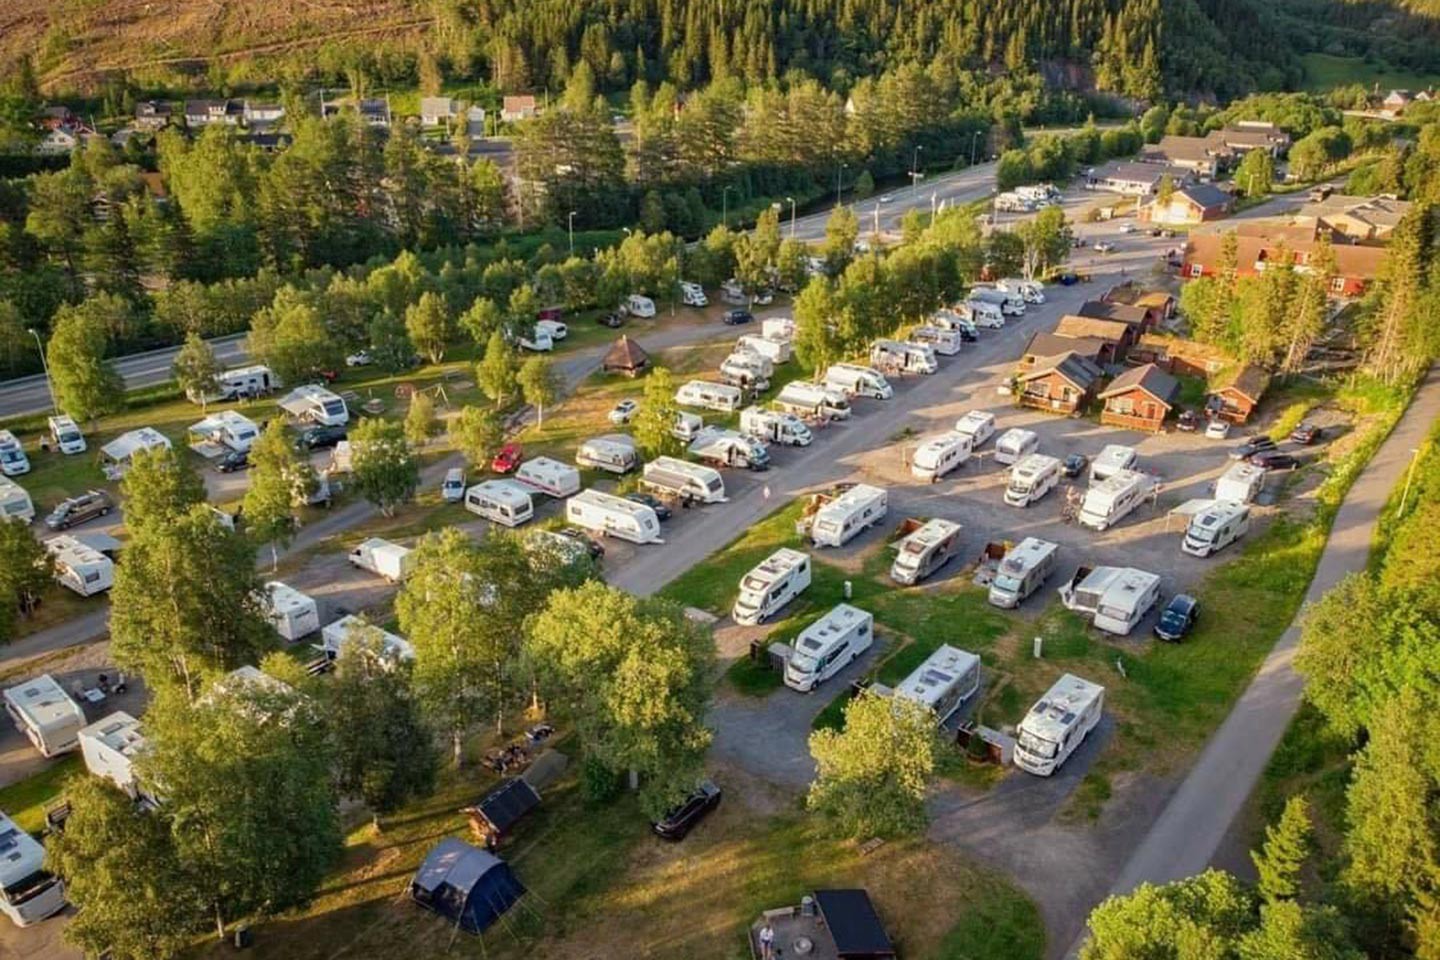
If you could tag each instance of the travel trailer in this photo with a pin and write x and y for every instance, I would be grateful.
(673, 477)
(1112, 499)
(983, 314)
(777, 350)
(66, 437)
(290, 612)
(1116, 597)
(687, 425)
(638, 306)
(536, 339)
(1031, 291)
(227, 429)
(240, 383)
(773, 426)
(1241, 483)
(109, 747)
(1022, 571)
(117, 454)
(13, 461)
(1058, 724)
(550, 477)
(693, 295)
(856, 509)
(1032, 478)
(312, 403)
(858, 381)
(80, 566)
(924, 551)
(807, 399)
(613, 453)
(1216, 527)
(946, 679)
(1015, 444)
(947, 343)
(1010, 304)
(381, 557)
(335, 636)
(613, 516)
(746, 370)
(903, 357)
(979, 425)
(553, 328)
(15, 502)
(506, 502)
(777, 328)
(720, 397)
(1113, 458)
(782, 577)
(732, 292)
(28, 894)
(829, 645)
(939, 455)
(728, 448)
(44, 712)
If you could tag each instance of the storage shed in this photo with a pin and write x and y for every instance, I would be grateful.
(466, 885)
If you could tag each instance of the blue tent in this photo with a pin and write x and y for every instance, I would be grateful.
(466, 885)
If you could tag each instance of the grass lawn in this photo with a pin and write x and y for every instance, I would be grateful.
(1324, 71)
(25, 800)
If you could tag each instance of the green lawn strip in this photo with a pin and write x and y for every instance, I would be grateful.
(25, 800)
(1324, 71)
(1001, 925)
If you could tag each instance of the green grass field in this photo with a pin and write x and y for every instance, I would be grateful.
(1324, 71)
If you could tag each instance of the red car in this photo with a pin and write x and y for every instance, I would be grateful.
(508, 459)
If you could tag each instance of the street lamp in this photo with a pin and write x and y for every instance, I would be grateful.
(792, 217)
(915, 168)
(725, 206)
(45, 365)
(974, 141)
(1409, 476)
(839, 175)
(571, 225)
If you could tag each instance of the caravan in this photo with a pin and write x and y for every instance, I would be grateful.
(947, 343)
(1113, 458)
(777, 328)
(229, 429)
(777, 350)
(312, 403)
(550, 477)
(242, 383)
(613, 453)
(1216, 527)
(1241, 483)
(1032, 478)
(746, 370)
(386, 559)
(1023, 571)
(693, 295)
(946, 679)
(1117, 597)
(903, 357)
(939, 455)
(926, 550)
(828, 646)
(1030, 291)
(720, 397)
(773, 426)
(80, 566)
(109, 747)
(858, 381)
(1057, 724)
(44, 712)
(687, 425)
(782, 577)
(506, 502)
(693, 482)
(335, 636)
(727, 448)
(807, 399)
(1015, 444)
(290, 612)
(856, 509)
(638, 306)
(13, 461)
(15, 502)
(1112, 499)
(65, 435)
(28, 894)
(979, 425)
(613, 516)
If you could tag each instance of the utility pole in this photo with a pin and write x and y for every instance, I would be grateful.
(974, 141)
(1409, 476)
(50, 385)
(725, 206)
(915, 168)
(792, 217)
(570, 222)
(839, 175)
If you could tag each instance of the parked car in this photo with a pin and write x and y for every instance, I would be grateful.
(1068, 279)
(613, 320)
(78, 509)
(1156, 231)
(597, 551)
(1178, 617)
(318, 438)
(1252, 445)
(735, 317)
(360, 358)
(1128, 228)
(1274, 460)
(765, 297)
(1104, 246)
(1306, 434)
(452, 488)
(621, 413)
(1217, 429)
(233, 461)
(886, 198)
(662, 512)
(1074, 465)
(508, 459)
(680, 821)
(1188, 421)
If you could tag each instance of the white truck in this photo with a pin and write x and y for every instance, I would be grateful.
(903, 357)
(1030, 479)
(858, 381)
(979, 425)
(1117, 598)
(774, 426)
(925, 550)
(506, 502)
(945, 342)
(1241, 483)
(613, 516)
(807, 399)
(1112, 499)
(65, 435)
(828, 646)
(837, 522)
(312, 403)
(80, 566)
(13, 461)
(1113, 458)
(1022, 571)
(939, 455)
(946, 679)
(730, 448)
(553, 478)
(383, 558)
(720, 397)
(1015, 444)
(1057, 724)
(693, 295)
(28, 894)
(15, 502)
(1216, 527)
(749, 371)
(673, 477)
(613, 453)
(780, 578)
(45, 714)
(777, 350)
(292, 613)
(336, 636)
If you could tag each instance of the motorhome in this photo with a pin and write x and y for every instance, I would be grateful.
(733, 292)
(903, 357)
(777, 328)
(240, 383)
(829, 645)
(15, 502)
(693, 295)
(79, 566)
(945, 342)
(858, 381)
(1112, 499)
(1015, 445)
(223, 430)
(856, 509)
(66, 437)
(613, 516)
(554, 329)
(639, 306)
(956, 321)
(939, 455)
(693, 482)
(386, 559)
(536, 339)
(1113, 458)
(1241, 483)
(551, 477)
(13, 461)
(28, 894)
(946, 679)
(45, 714)
(312, 403)
(774, 426)
(780, 578)
(1023, 571)
(1216, 527)
(687, 425)
(1057, 724)
(925, 550)
(292, 613)
(110, 746)
(983, 314)
(613, 453)
(746, 370)
(1116, 597)
(979, 425)
(1032, 478)
(807, 399)
(777, 350)
(1010, 304)
(336, 636)
(729, 448)
(506, 502)
(1031, 291)
(720, 397)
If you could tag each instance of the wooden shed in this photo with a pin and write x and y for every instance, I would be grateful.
(1235, 394)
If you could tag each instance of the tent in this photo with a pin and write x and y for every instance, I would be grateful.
(853, 923)
(465, 885)
(627, 357)
(502, 808)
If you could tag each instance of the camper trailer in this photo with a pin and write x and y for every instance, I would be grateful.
(15, 502)
(613, 453)
(693, 295)
(613, 516)
(109, 746)
(979, 425)
(947, 343)
(536, 339)
(1015, 445)
(1030, 479)
(240, 383)
(939, 455)
(728, 448)
(777, 350)
(639, 306)
(782, 577)
(226, 429)
(745, 360)
(290, 612)
(381, 557)
(673, 477)
(1010, 304)
(946, 679)
(854, 510)
(28, 894)
(66, 437)
(1113, 458)
(80, 566)
(1112, 499)
(1241, 483)
(550, 477)
(336, 635)
(44, 712)
(1058, 724)
(506, 502)
(687, 425)
(1116, 597)
(117, 454)
(746, 370)
(773, 426)
(1216, 527)
(926, 550)
(777, 328)
(1023, 571)
(312, 403)
(829, 645)
(806, 399)
(858, 381)
(903, 357)
(720, 397)
(13, 461)
(732, 292)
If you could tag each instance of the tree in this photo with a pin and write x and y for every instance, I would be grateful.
(291, 339)
(864, 186)
(1256, 173)
(842, 230)
(539, 385)
(420, 419)
(497, 369)
(159, 488)
(482, 320)
(196, 370)
(427, 321)
(1287, 846)
(390, 345)
(817, 339)
(280, 476)
(476, 432)
(791, 266)
(1165, 191)
(384, 468)
(86, 387)
(1158, 921)
(1013, 169)
(871, 776)
(1046, 238)
(26, 570)
(654, 422)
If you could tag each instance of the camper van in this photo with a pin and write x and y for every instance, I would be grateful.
(939, 455)
(550, 477)
(673, 477)
(946, 679)
(312, 403)
(80, 566)
(728, 448)
(1031, 291)
(772, 426)
(44, 712)
(506, 502)
(720, 397)
(687, 425)
(1216, 527)
(925, 551)
(1113, 458)
(13, 461)
(854, 510)
(807, 399)
(224, 428)
(290, 612)
(613, 516)
(381, 557)
(955, 321)
(638, 306)
(746, 370)
(978, 425)
(1058, 724)
(336, 635)
(733, 292)
(1116, 597)
(777, 350)
(553, 328)
(1010, 304)
(983, 314)
(903, 357)
(1241, 483)
(777, 328)
(1023, 571)
(66, 437)
(782, 577)
(613, 453)
(15, 502)
(858, 381)
(947, 343)
(1015, 445)
(1030, 479)
(239, 383)
(829, 645)
(1111, 500)
(693, 295)
(109, 746)
(28, 894)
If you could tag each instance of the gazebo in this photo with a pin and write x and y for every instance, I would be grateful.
(627, 357)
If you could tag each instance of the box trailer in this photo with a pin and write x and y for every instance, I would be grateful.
(506, 502)
(1116, 598)
(550, 477)
(1216, 527)
(776, 350)
(828, 646)
(858, 381)
(292, 613)
(720, 397)
(1057, 724)
(683, 480)
(380, 556)
(613, 453)
(312, 403)
(979, 425)
(28, 894)
(13, 461)
(807, 399)
(780, 578)
(1022, 571)
(1113, 458)
(925, 550)
(902, 357)
(15, 502)
(613, 516)
(1030, 479)
(79, 566)
(65, 435)
(940, 454)
(1241, 483)
(730, 448)
(109, 747)
(1112, 499)
(947, 343)
(1015, 444)
(336, 636)
(45, 714)
(775, 426)
(946, 679)
(837, 522)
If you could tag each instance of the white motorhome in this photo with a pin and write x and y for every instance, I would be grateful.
(828, 646)
(693, 295)
(613, 516)
(1015, 445)
(554, 329)
(335, 637)
(979, 425)
(15, 502)
(224, 428)
(807, 399)
(1032, 478)
(80, 566)
(1216, 527)
(1058, 724)
(673, 477)
(613, 453)
(777, 350)
(955, 321)
(28, 894)
(639, 306)
(118, 453)
(780, 578)
(720, 397)
(732, 292)
(536, 339)
(44, 712)
(939, 455)
(1010, 304)
(925, 551)
(1030, 291)
(947, 343)
(777, 328)
(983, 314)
(858, 381)
(1022, 571)
(773, 426)
(1113, 458)
(550, 477)
(386, 559)
(687, 425)
(1241, 483)
(13, 461)
(856, 509)
(746, 370)
(729, 448)
(65, 435)
(292, 613)
(241, 382)
(1112, 499)
(506, 502)
(1116, 597)
(946, 679)
(109, 746)
(903, 357)
(312, 403)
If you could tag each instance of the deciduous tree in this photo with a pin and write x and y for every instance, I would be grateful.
(159, 488)
(25, 572)
(497, 370)
(86, 387)
(476, 432)
(280, 478)
(654, 422)
(427, 321)
(196, 370)
(384, 468)
(871, 777)
(420, 420)
(539, 385)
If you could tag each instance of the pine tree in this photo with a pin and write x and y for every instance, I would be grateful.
(1288, 844)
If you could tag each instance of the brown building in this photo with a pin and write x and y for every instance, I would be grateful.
(1260, 242)
(1140, 399)
(625, 356)
(1115, 336)
(1059, 384)
(1198, 203)
(1046, 346)
(1235, 394)
(1184, 358)
(1141, 318)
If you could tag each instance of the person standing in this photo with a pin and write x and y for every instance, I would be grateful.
(767, 942)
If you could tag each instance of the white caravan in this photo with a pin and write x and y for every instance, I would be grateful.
(506, 502)
(946, 679)
(65, 435)
(807, 399)
(335, 636)
(536, 339)
(1022, 571)
(773, 426)
(673, 477)
(1010, 304)
(80, 566)
(947, 343)
(856, 509)
(109, 746)
(777, 328)
(13, 461)
(729, 448)
(829, 645)
(27, 893)
(15, 502)
(44, 712)
(1113, 458)
(238, 383)
(639, 306)
(1241, 483)
(782, 577)
(292, 613)
(224, 428)
(1216, 527)
(979, 425)
(613, 516)
(312, 403)
(720, 397)
(554, 329)
(983, 314)
(925, 551)
(1116, 597)
(939, 455)
(613, 453)
(903, 357)
(693, 295)
(1030, 479)
(1015, 445)
(118, 453)
(777, 350)
(379, 556)
(746, 370)
(550, 477)
(858, 381)
(1031, 291)
(1058, 724)
(1112, 499)
(687, 425)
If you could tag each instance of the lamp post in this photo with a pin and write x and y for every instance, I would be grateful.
(974, 141)
(792, 217)
(915, 168)
(45, 365)
(1409, 476)
(725, 206)
(571, 225)
(839, 176)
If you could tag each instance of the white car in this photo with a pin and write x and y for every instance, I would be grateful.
(886, 198)
(452, 490)
(621, 413)
(1104, 246)
(360, 359)
(1217, 429)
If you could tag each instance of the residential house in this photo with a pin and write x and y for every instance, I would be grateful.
(1184, 358)
(1200, 155)
(519, 107)
(268, 142)
(1159, 306)
(153, 114)
(57, 142)
(1140, 399)
(1114, 336)
(1395, 103)
(438, 111)
(259, 114)
(1259, 242)
(200, 113)
(1134, 179)
(1246, 135)
(1060, 384)
(1139, 317)
(1196, 203)
(475, 122)
(1357, 219)
(1236, 392)
(1042, 347)
(374, 111)
(53, 116)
